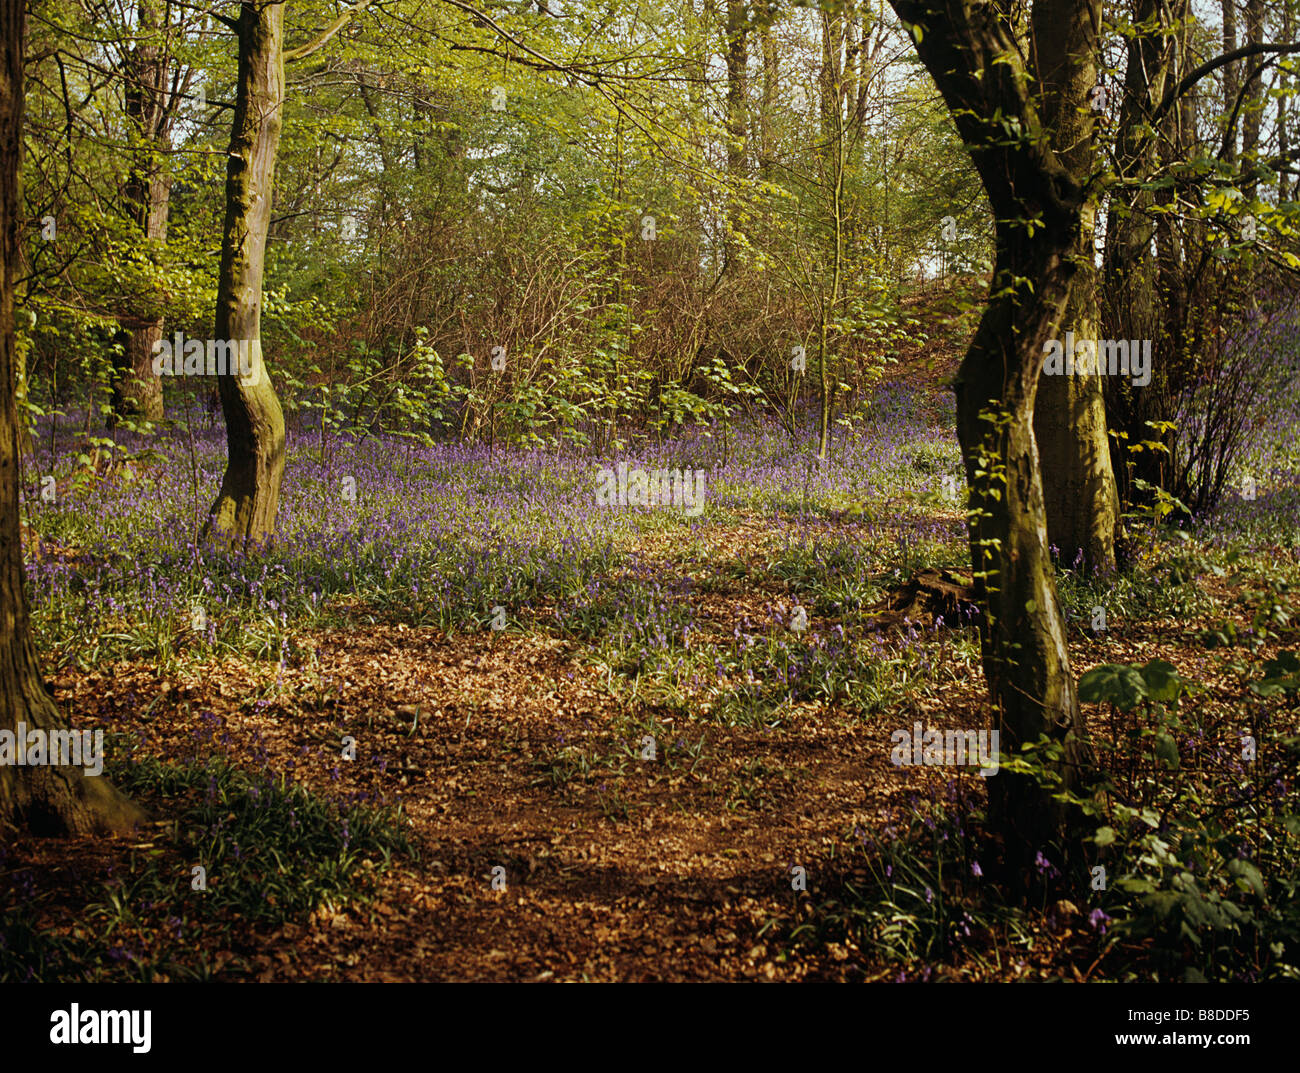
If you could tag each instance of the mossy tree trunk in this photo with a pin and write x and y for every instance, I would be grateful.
(1079, 493)
(43, 799)
(974, 57)
(243, 516)
(137, 392)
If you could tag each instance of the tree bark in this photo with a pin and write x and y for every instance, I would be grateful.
(243, 515)
(1079, 491)
(1132, 307)
(47, 799)
(736, 32)
(1283, 110)
(1252, 104)
(974, 59)
(1231, 75)
(831, 109)
(137, 390)
(771, 82)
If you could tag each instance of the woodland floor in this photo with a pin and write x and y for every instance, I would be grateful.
(634, 870)
(521, 749)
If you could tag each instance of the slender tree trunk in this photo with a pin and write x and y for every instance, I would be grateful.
(46, 799)
(829, 375)
(1252, 105)
(137, 390)
(771, 82)
(737, 58)
(1132, 307)
(736, 40)
(1283, 110)
(244, 512)
(1231, 74)
(834, 28)
(1070, 413)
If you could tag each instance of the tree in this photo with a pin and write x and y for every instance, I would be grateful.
(243, 515)
(1133, 303)
(972, 52)
(150, 111)
(245, 509)
(1079, 491)
(1181, 188)
(47, 799)
(835, 26)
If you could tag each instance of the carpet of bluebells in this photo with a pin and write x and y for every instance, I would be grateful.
(444, 534)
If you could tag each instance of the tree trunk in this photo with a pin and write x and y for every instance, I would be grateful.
(771, 82)
(1231, 76)
(1132, 306)
(974, 60)
(244, 513)
(736, 41)
(1070, 412)
(47, 799)
(1024, 652)
(737, 57)
(831, 110)
(1252, 105)
(1079, 491)
(137, 390)
(1283, 110)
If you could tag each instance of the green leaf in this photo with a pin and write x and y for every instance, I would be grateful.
(1248, 877)
(1114, 683)
(1163, 682)
(1285, 663)
(1281, 675)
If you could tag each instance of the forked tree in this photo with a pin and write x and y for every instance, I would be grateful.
(46, 799)
(1016, 82)
(1040, 206)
